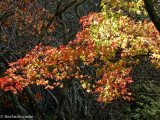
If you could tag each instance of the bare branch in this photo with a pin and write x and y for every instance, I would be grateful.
(17, 104)
(54, 98)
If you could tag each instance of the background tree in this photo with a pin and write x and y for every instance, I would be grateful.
(152, 11)
(21, 36)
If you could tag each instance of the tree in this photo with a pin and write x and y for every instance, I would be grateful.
(13, 47)
(110, 42)
(149, 4)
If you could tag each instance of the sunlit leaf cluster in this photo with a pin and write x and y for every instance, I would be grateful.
(121, 6)
(131, 40)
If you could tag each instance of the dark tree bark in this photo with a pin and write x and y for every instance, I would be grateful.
(152, 13)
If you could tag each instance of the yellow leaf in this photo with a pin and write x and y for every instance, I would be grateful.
(82, 81)
(138, 12)
(123, 45)
(46, 82)
(88, 90)
(84, 85)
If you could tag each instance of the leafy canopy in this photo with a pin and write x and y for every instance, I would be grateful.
(102, 35)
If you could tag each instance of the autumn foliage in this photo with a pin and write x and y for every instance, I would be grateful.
(116, 41)
(27, 17)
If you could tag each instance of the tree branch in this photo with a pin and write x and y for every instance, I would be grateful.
(57, 13)
(54, 98)
(17, 105)
(38, 107)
